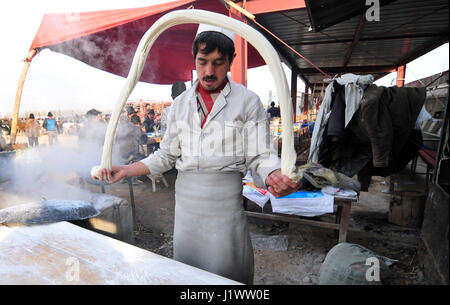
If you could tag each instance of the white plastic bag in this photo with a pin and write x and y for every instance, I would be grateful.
(257, 195)
(303, 203)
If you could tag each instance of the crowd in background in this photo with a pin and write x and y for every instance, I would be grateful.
(135, 125)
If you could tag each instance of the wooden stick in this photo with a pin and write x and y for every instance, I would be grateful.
(15, 117)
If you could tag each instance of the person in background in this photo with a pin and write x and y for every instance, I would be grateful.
(144, 112)
(51, 127)
(59, 127)
(107, 118)
(129, 138)
(149, 126)
(32, 131)
(94, 129)
(149, 121)
(130, 112)
(2, 140)
(177, 89)
(304, 124)
(273, 111)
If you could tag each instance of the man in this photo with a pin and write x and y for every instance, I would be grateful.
(107, 118)
(32, 130)
(177, 89)
(129, 138)
(273, 111)
(93, 131)
(149, 121)
(130, 112)
(51, 127)
(149, 126)
(216, 131)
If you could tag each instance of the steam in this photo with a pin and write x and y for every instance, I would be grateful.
(44, 171)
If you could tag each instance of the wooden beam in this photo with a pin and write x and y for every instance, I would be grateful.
(354, 69)
(306, 100)
(239, 67)
(393, 37)
(270, 6)
(355, 40)
(428, 48)
(294, 75)
(401, 72)
(15, 116)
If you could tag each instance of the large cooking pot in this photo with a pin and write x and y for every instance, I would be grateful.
(5, 161)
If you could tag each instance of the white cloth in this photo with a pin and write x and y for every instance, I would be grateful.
(235, 136)
(303, 203)
(163, 121)
(207, 27)
(423, 116)
(335, 191)
(319, 125)
(210, 229)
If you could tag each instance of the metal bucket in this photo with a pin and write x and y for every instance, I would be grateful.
(5, 160)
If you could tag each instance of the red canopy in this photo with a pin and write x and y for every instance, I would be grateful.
(107, 40)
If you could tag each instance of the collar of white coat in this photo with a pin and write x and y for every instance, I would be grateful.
(219, 103)
(225, 91)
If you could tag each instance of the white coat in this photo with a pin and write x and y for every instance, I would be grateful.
(235, 136)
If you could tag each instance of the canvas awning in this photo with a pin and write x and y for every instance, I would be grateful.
(107, 40)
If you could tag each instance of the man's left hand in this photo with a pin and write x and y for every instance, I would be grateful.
(280, 185)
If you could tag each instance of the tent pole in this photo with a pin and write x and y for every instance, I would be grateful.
(15, 116)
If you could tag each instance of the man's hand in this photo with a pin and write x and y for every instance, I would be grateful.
(116, 174)
(280, 185)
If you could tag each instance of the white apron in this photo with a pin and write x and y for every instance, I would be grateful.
(211, 231)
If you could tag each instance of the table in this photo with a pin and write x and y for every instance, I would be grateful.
(152, 144)
(63, 253)
(340, 224)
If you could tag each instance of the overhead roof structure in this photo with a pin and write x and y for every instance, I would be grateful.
(334, 36)
(337, 37)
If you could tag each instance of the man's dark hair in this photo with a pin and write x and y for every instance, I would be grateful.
(272, 104)
(214, 40)
(177, 89)
(135, 119)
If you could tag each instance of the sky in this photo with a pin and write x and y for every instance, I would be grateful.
(56, 82)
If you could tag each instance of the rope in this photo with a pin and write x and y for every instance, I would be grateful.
(253, 18)
(293, 50)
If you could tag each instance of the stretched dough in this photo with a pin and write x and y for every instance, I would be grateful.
(288, 155)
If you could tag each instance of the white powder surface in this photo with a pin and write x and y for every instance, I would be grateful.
(43, 255)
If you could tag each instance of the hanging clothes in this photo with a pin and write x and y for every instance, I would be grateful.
(379, 136)
(354, 91)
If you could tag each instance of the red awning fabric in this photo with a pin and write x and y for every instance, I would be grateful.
(107, 40)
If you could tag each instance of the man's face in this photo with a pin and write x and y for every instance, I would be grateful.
(211, 68)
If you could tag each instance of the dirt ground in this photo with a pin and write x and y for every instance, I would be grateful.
(300, 263)
(307, 246)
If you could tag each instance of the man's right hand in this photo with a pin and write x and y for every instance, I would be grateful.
(117, 173)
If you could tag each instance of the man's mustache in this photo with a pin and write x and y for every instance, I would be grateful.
(206, 78)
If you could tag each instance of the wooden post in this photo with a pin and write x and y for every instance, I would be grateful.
(294, 74)
(306, 100)
(239, 67)
(15, 116)
(401, 72)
